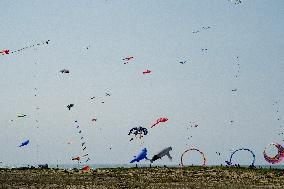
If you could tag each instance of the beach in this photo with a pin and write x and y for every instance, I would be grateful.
(155, 177)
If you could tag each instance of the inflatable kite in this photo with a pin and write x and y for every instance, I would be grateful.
(253, 156)
(160, 120)
(278, 157)
(192, 149)
(25, 143)
(164, 152)
(142, 155)
(138, 131)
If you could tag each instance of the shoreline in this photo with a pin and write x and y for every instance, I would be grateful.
(143, 177)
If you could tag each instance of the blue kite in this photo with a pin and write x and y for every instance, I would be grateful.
(142, 155)
(25, 143)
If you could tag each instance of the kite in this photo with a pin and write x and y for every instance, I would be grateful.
(94, 119)
(204, 50)
(25, 143)
(147, 71)
(236, 1)
(253, 156)
(83, 143)
(5, 51)
(86, 168)
(142, 155)
(107, 94)
(192, 149)
(193, 124)
(203, 28)
(64, 71)
(278, 157)
(127, 59)
(70, 106)
(182, 62)
(141, 131)
(76, 158)
(234, 90)
(22, 115)
(160, 120)
(164, 152)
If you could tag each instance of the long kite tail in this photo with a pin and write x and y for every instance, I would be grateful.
(155, 124)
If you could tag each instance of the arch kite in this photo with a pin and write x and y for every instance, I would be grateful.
(246, 149)
(192, 149)
(278, 157)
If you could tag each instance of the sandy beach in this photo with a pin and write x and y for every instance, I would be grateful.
(189, 177)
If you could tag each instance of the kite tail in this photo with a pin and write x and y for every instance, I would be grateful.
(154, 124)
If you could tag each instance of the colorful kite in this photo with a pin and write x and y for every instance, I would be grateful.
(253, 156)
(160, 120)
(278, 157)
(192, 149)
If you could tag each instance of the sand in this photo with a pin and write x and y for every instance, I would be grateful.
(189, 177)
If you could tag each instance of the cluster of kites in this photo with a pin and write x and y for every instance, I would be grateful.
(141, 132)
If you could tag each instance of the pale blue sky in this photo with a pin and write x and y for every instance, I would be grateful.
(159, 35)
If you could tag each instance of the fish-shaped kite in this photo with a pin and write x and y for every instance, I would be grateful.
(142, 155)
(164, 152)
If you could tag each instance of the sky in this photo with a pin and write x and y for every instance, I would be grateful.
(90, 38)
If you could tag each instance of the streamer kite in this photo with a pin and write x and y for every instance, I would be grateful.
(6, 51)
